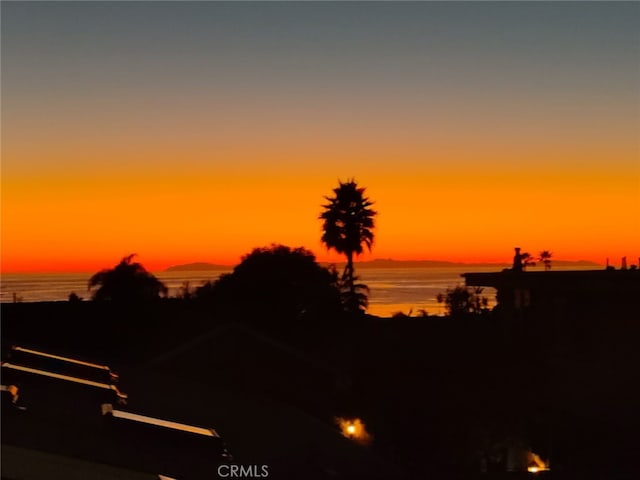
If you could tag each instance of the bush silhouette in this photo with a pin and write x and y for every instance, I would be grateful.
(127, 282)
(276, 282)
(460, 301)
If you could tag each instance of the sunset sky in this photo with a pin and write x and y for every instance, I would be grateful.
(195, 131)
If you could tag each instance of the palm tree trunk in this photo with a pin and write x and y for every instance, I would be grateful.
(348, 273)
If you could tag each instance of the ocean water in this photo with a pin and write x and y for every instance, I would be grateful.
(391, 289)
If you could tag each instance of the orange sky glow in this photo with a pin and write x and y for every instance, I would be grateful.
(467, 152)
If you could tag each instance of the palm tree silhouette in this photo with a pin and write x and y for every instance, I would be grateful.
(545, 258)
(127, 282)
(527, 260)
(348, 225)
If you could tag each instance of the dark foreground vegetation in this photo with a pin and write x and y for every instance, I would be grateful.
(442, 397)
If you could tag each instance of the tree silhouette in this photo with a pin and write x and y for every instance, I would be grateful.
(184, 291)
(527, 260)
(276, 282)
(353, 296)
(460, 301)
(127, 282)
(348, 225)
(545, 258)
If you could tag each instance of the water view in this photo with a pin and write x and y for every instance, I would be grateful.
(392, 290)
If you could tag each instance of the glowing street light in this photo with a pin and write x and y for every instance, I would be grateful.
(354, 429)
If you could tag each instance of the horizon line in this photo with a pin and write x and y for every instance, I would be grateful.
(221, 266)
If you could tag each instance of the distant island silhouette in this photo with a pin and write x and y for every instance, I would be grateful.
(388, 263)
(196, 267)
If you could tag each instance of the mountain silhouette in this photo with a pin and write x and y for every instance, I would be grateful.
(388, 263)
(197, 266)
